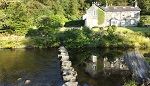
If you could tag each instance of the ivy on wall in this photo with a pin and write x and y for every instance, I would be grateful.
(101, 16)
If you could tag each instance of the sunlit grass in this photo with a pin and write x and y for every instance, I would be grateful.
(12, 41)
(134, 38)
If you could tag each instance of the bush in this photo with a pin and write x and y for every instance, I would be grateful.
(75, 23)
(54, 21)
(44, 37)
(111, 29)
(145, 20)
(74, 38)
(130, 83)
(112, 37)
(60, 19)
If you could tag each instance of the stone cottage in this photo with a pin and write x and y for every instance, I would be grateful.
(113, 15)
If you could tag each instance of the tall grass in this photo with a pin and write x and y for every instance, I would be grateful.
(133, 38)
(12, 41)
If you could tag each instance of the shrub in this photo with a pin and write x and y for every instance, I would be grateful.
(75, 38)
(145, 20)
(111, 29)
(44, 37)
(60, 19)
(53, 21)
(74, 23)
(130, 83)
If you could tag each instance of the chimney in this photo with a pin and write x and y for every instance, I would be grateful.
(136, 3)
(106, 3)
(93, 3)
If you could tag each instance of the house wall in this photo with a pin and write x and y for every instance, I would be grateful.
(131, 18)
(91, 18)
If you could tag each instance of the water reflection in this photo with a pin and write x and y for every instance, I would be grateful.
(108, 69)
(31, 67)
(117, 64)
(91, 66)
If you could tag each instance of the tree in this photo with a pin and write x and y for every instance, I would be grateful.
(53, 21)
(145, 6)
(73, 9)
(120, 2)
(16, 18)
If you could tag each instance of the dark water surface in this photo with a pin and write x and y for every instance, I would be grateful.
(29, 67)
(110, 68)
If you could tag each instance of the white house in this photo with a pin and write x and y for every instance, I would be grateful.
(114, 15)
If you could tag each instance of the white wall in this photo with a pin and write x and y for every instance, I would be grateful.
(91, 16)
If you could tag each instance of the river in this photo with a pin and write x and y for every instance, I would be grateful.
(41, 67)
(109, 69)
(31, 67)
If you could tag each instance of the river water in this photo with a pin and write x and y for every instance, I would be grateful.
(29, 67)
(109, 69)
(40, 67)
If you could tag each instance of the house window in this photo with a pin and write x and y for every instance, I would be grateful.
(94, 13)
(114, 22)
(132, 22)
(123, 23)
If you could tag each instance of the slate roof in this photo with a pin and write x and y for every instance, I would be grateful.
(120, 8)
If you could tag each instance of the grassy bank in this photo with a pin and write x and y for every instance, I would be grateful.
(132, 37)
(12, 41)
(144, 30)
(83, 37)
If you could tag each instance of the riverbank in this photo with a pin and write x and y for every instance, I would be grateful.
(12, 41)
(83, 37)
